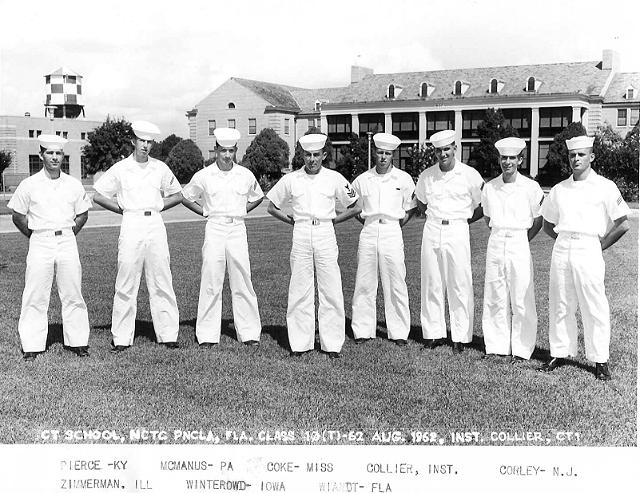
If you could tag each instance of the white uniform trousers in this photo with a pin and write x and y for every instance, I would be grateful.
(315, 245)
(225, 246)
(381, 247)
(509, 319)
(143, 243)
(577, 278)
(446, 267)
(49, 252)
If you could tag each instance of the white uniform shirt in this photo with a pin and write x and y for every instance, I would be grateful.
(50, 204)
(588, 206)
(389, 195)
(223, 193)
(313, 196)
(512, 205)
(139, 187)
(451, 195)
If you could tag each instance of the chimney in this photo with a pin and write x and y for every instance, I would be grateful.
(610, 60)
(358, 73)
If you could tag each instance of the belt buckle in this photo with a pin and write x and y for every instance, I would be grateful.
(445, 222)
(57, 233)
(228, 220)
(147, 213)
(315, 221)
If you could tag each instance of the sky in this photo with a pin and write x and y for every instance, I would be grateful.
(155, 60)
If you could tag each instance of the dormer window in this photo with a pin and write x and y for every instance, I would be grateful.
(460, 87)
(231, 106)
(533, 84)
(391, 91)
(426, 89)
(631, 93)
(495, 86)
(317, 106)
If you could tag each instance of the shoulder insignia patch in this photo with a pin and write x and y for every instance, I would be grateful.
(350, 191)
(619, 201)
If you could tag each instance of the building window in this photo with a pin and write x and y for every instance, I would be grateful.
(65, 164)
(65, 135)
(286, 126)
(439, 120)
(402, 156)
(56, 88)
(338, 154)
(470, 121)
(212, 154)
(83, 168)
(70, 79)
(554, 120)
(317, 106)
(58, 133)
(630, 93)
(231, 123)
(231, 106)
(424, 90)
(531, 84)
(493, 86)
(34, 164)
(543, 153)
(339, 127)
(635, 116)
(519, 119)
(83, 135)
(47, 79)
(373, 123)
(405, 125)
(79, 90)
(252, 126)
(212, 126)
(311, 122)
(467, 151)
(622, 118)
(38, 133)
(32, 133)
(391, 91)
(457, 89)
(70, 99)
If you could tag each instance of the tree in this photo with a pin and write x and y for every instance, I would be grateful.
(493, 128)
(421, 158)
(184, 160)
(108, 144)
(355, 157)
(160, 150)
(617, 159)
(557, 167)
(267, 155)
(5, 161)
(298, 160)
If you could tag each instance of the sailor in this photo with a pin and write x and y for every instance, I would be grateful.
(225, 192)
(313, 191)
(585, 214)
(50, 208)
(143, 187)
(511, 205)
(387, 203)
(449, 192)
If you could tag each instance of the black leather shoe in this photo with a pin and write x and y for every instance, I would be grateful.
(80, 351)
(516, 360)
(30, 356)
(334, 355)
(208, 345)
(400, 342)
(458, 347)
(431, 343)
(118, 348)
(251, 343)
(361, 340)
(170, 345)
(552, 364)
(602, 371)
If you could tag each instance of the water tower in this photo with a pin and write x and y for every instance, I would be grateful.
(64, 94)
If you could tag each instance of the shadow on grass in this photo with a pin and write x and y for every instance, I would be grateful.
(143, 328)
(277, 332)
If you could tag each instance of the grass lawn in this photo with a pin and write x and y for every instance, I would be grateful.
(374, 386)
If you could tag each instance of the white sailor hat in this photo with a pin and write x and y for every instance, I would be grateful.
(386, 142)
(511, 146)
(313, 142)
(226, 137)
(145, 130)
(580, 142)
(52, 142)
(443, 138)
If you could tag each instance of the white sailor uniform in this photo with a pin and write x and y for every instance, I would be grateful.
(224, 196)
(51, 206)
(139, 190)
(313, 198)
(384, 200)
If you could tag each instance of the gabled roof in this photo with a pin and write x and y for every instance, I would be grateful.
(558, 78)
(306, 98)
(276, 95)
(65, 71)
(617, 91)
